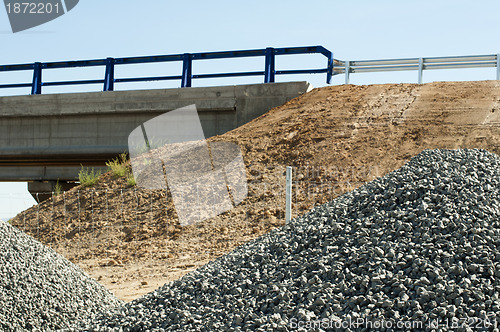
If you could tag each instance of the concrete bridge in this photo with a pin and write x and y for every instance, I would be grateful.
(45, 138)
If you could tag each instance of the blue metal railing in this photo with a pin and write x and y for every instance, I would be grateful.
(187, 75)
(333, 66)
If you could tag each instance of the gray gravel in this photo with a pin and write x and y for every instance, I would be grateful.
(418, 246)
(42, 291)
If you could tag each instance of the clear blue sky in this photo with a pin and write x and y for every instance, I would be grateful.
(353, 30)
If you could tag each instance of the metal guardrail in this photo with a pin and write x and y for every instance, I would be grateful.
(186, 76)
(333, 66)
(419, 64)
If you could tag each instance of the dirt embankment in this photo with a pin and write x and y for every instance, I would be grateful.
(337, 138)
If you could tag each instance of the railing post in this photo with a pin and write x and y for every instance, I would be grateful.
(269, 72)
(109, 76)
(187, 71)
(498, 67)
(288, 195)
(36, 87)
(347, 71)
(329, 69)
(420, 70)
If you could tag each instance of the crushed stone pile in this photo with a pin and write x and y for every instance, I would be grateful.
(420, 245)
(40, 290)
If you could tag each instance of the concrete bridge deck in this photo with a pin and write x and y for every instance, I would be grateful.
(48, 137)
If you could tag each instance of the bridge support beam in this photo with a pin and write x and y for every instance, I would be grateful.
(50, 137)
(42, 190)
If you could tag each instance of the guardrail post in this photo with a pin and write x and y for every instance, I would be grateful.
(187, 71)
(347, 71)
(269, 72)
(420, 70)
(36, 87)
(109, 76)
(498, 67)
(329, 69)
(288, 195)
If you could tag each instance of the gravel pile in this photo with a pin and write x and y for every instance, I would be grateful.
(418, 246)
(42, 291)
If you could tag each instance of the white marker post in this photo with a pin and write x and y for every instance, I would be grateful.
(288, 195)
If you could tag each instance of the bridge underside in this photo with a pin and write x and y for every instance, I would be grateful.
(64, 169)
